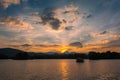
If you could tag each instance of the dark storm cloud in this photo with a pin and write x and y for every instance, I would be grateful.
(48, 18)
(76, 44)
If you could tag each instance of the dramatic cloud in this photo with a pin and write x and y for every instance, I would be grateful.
(48, 18)
(37, 24)
(62, 18)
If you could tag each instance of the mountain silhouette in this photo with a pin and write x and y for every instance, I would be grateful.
(9, 51)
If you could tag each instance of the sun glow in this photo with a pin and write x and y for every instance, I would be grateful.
(64, 49)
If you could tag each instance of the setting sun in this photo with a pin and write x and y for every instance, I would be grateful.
(64, 49)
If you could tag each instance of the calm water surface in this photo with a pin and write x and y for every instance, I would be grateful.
(59, 70)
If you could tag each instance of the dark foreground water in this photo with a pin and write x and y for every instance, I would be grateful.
(59, 70)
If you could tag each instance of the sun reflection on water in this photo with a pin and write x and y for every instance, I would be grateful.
(64, 71)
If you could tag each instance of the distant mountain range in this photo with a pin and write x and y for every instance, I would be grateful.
(9, 51)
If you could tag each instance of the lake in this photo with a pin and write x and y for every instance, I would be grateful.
(59, 69)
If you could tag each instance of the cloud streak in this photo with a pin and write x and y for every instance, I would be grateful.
(76, 44)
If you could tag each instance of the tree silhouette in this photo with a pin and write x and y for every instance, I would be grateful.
(23, 55)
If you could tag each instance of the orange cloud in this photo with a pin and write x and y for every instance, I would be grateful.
(15, 24)
(7, 3)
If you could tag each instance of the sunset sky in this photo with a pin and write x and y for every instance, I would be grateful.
(60, 25)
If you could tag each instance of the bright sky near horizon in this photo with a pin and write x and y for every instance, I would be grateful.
(60, 25)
